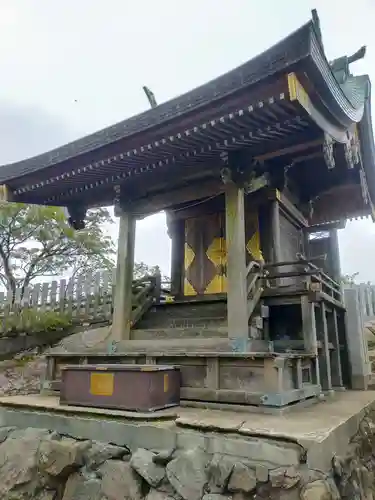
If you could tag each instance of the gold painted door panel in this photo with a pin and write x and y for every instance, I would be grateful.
(206, 255)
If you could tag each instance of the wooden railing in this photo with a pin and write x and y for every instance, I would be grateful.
(366, 299)
(307, 273)
(254, 279)
(146, 291)
(86, 299)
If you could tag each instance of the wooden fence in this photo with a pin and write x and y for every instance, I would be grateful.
(86, 299)
(366, 300)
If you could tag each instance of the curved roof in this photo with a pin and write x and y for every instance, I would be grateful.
(345, 102)
(249, 107)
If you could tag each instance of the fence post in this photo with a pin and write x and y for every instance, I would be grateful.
(157, 289)
(62, 294)
(357, 345)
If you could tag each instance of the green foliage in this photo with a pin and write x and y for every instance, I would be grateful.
(37, 241)
(349, 279)
(141, 269)
(35, 321)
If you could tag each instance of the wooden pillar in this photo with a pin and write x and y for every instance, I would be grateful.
(276, 255)
(124, 278)
(306, 244)
(325, 359)
(310, 334)
(309, 325)
(275, 229)
(326, 350)
(357, 348)
(337, 380)
(236, 267)
(334, 255)
(176, 230)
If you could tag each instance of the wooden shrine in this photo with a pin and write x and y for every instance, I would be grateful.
(256, 170)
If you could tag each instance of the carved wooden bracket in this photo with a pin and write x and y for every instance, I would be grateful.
(77, 215)
(257, 183)
(328, 152)
(120, 205)
(117, 201)
(5, 194)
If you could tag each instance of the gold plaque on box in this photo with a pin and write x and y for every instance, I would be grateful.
(166, 382)
(102, 384)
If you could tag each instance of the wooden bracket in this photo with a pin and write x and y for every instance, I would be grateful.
(77, 215)
(5, 194)
(257, 183)
(328, 152)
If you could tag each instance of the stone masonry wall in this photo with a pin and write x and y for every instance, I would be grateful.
(38, 464)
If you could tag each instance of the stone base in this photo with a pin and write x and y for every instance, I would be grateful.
(259, 379)
(268, 410)
(321, 429)
(360, 382)
(320, 452)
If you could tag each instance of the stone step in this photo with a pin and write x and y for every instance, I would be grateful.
(184, 315)
(159, 322)
(178, 333)
(371, 384)
(173, 346)
(162, 347)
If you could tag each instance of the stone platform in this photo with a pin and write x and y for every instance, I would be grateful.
(324, 452)
(311, 435)
(268, 380)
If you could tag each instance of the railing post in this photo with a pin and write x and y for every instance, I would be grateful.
(275, 229)
(370, 310)
(276, 234)
(157, 289)
(362, 301)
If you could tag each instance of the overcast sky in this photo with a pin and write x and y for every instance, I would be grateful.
(71, 67)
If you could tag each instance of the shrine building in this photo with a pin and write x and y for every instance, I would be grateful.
(256, 171)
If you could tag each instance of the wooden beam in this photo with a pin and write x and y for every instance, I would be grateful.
(289, 150)
(210, 206)
(157, 202)
(236, 266)
(327, 226)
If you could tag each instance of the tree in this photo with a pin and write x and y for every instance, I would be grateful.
(141, 269)
(37, 241)
(349, 279)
